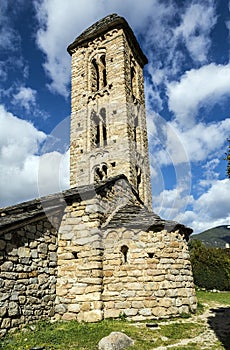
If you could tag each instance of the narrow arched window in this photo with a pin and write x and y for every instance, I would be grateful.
(133, 77)
(124, 251)
(94, 76)
(138, 178)
(95, 129)
(135, 130)
(103, 70)
(104, 130)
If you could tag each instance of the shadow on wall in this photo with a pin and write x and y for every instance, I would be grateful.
(220, 323)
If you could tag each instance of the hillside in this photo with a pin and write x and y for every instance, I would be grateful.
(214, 237)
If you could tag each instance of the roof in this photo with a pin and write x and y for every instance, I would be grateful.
(133, 214)
(138, 217)
(38, 208)
(104, 25)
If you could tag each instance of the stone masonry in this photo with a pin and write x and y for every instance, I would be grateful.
(108, 122)
(97, 250)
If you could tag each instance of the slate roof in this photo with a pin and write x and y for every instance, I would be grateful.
(104, 25)
(131, 215)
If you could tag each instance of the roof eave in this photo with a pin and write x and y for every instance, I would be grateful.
(117, 23)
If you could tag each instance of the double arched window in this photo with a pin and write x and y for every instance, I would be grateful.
(100, 172)
(98, 73)
(99, 131)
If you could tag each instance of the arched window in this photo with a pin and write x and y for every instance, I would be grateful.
(100, 173)
(94, 76)
(138, 178)
(98, 73)
(133, 77)
(99, 131)
(103, 70)
(124, 251)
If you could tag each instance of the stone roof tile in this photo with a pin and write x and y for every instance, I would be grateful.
(104, 25)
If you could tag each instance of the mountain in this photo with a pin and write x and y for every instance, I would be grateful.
(217, 237)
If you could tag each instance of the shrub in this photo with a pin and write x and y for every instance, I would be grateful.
(211, 266)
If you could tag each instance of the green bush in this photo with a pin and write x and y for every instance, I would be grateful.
(211, 266)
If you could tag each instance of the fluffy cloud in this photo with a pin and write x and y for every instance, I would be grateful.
(59, 26)
(20, 161)
(169, 203)
(196, 88)
(196, 25)
(25, 97)
(200, 142)
(210, 209)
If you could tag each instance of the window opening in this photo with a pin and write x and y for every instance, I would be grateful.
(150, 255)
(75, 255)
(105, 169)
(97, 139)
(138, 177)
(98, 128)
(95, 76)
(124, 250)
(98, 73)
(133, 77)
(100, 172)
(104, 77)
(135, 130)
(104, 131)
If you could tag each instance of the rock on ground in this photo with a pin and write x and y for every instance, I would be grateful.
(115, 341)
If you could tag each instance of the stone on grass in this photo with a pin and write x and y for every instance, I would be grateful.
(115, 341)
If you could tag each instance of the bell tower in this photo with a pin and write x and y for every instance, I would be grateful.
(108, 120)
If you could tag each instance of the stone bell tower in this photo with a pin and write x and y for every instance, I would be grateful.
(108, 121)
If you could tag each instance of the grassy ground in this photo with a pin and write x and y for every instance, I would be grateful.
(72, 335)
(210, 297)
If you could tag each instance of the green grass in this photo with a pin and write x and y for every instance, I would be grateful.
(85, 336)
(211, 297)
(72, 335)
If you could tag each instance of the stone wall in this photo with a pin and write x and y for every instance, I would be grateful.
(79, 283)
(155, 281)
(28, 258)
(126, 147)
(80, 252)
(109, 256)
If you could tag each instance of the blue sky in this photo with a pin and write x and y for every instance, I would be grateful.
(187, 85)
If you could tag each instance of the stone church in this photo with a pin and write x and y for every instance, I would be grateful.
(97, 250)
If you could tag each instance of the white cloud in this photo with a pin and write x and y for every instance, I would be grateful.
(169, 203)
(20, 162)
(210, 209)
(196, 88)
(195, 28)
(61, 22)
(25, 97)
(200, 142)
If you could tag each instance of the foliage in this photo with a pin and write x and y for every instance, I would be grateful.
(228, 159)
(211, 266)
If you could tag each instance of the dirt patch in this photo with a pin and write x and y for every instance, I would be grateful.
(216, 336)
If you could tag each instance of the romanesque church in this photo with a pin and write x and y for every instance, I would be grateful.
(97, 250)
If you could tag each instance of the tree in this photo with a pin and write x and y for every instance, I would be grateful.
(228, 159)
